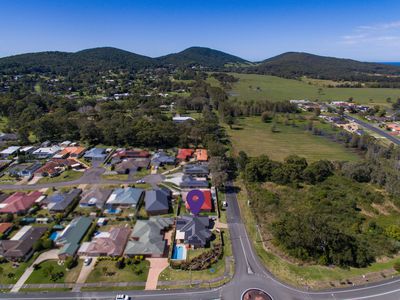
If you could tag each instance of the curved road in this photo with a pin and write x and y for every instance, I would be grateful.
(249, 273)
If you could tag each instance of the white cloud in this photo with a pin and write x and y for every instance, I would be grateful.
(387, 34)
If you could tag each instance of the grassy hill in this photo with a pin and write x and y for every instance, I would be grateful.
(297, 64)
(260, 87)
(201, 56)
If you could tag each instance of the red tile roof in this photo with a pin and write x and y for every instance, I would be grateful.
(4, 227)
(53, 166)
(184, 154)
(201, 154)
(207, 205)
(19, 202)
(134, 153)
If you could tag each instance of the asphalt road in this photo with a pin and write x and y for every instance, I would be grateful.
(379, 131)
(249, 273)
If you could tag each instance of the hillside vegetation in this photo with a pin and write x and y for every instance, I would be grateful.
(297, 64)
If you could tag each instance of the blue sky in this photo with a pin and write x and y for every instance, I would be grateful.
(255, 30)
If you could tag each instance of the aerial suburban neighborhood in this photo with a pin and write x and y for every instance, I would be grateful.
(199, 150)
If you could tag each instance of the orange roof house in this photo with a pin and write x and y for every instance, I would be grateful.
(184, 154)
(201, 154)
(5, 227)
(76, 151)
(207, 205)
(393, 127)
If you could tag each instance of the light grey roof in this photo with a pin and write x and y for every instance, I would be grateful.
(95, 196)
(156, 200)
(150, 240)
(121, 196)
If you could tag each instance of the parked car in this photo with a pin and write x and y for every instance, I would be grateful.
(87, 261)
(140, 181)
(122, 297)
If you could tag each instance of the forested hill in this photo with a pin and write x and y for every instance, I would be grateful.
(288, 65)
(106, 58)
(96, 59)
(201, 56)
(297, 64)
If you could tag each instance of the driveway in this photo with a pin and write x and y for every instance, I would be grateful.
(83, 275)
(52, 254)
(157, 265)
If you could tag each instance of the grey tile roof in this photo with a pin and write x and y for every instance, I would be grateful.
(148, 237)
(95, 196)
(156, 200)
(60, 201)
(195, 228)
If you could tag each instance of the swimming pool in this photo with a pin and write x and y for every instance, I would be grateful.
(54, 235)
(179, 252)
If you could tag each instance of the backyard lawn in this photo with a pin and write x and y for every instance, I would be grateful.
(51, 268)
(68, 175)
(106, 271)
(255, 138)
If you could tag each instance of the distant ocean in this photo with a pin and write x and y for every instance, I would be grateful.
(391, 63)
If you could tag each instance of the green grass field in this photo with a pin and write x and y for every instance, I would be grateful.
(40, 275)
(255, 138)
(124, 275)
(68, 175)
(261, 87)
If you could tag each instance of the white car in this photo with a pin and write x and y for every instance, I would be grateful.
(140, 181)
(122, 297)
(87, 261)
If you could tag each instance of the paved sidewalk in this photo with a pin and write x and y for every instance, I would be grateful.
(157, 265)
(52, 254)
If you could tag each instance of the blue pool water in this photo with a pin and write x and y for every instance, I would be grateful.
(178, 252)
(54, 235)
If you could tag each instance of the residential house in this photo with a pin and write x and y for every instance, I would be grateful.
(24, 169)
(19, 202)
(161, 158)
(157, 202)
(46, 152)
(201, 155)
(189, 182)
(27, 150)
(4, 163)
(5, 137)
(96, 154)
(132, 153)
(196, 170)
(71, 236)
(193, 231)
(207, 205)
(111, 243)
(95, 196)
(148, 238)
(71, 151)
(130, 165)
(20, 246)
(10, 151)
(5, 228)
(59, 202)
(55, 167)
(125, 197)
(184, 154)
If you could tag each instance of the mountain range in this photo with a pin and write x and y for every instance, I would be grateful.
(289, 65)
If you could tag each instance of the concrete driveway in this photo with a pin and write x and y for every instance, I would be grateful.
(48, 255)
(157, 265)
